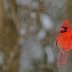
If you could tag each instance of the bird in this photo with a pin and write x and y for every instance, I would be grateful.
(64, 42)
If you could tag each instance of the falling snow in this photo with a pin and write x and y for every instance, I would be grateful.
(46, 22)
(50, 56)
(33, 15)
(41, 34)
(12, 54)
(1, 58)
(22, 32)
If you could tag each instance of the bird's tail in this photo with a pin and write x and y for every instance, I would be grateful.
(62, 58)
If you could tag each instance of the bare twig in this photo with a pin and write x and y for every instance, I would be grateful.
(1, 14)
(14, 15)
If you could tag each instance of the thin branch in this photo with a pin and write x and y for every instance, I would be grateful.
(1, 14)
(14, 15)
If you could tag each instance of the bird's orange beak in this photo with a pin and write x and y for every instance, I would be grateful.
(62, 29)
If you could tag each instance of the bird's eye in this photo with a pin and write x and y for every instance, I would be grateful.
(63, 29)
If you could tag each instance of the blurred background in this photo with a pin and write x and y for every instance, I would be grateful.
(28, 30)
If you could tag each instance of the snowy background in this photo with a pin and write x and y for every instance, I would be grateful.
(28, 30)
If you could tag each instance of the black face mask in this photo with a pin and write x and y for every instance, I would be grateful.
(65, 28)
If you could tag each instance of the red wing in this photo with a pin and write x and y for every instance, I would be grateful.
(62, 58)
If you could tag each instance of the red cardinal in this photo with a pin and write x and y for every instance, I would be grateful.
(64, 42)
